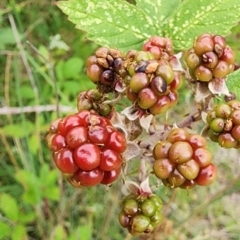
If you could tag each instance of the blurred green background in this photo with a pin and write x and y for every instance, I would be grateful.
(38, 47)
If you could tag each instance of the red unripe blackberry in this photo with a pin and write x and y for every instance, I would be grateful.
(206, 175)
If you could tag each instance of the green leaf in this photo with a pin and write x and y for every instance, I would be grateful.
(8, 205)
(59, 233)
(72, 67)
(26, 92)
(6, 37)
(83, 230)
(18, 130)
(59, 71)
(233, 83)
(32, 191)
(19, 233)
(203, 16)
(113, 23)
(51, 178)
(33, 143)
(159, 10)
(27, 217)
(52, 193)
(5, 230)
(72, 87)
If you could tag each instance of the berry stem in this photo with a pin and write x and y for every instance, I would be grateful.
(116, 99)
(186, 122)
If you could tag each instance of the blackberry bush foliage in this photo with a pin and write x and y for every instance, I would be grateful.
(145, 65)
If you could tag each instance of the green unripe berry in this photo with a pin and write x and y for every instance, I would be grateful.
(103, 109)
(203, 74)
(130, 207)
(138, 82)
(161, 149)
(223, 110)
(217, 125)
(139, 223)
(162, 168)
(157, 201)
(93, 94)
(180, 152)
(189, 169)
(210, 116)
(213, 135)
(234, 104)
(192, 59)
(84, 104)
(165, 71)
(143, 56)
(148, 208)
(157, 218)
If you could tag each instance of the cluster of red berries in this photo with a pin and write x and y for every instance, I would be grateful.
(161, 48)
(183, 160)
(86, 148)
(224, 124)
(209, 58)
(140, 213)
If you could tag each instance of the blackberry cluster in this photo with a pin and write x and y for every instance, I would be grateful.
(149, 79)
(209, 58)
(154, 92)
(183, 160)
(151, 84)
(103, 68)
(86, 148)
(93, 100)
(224, 124)
(140, 213)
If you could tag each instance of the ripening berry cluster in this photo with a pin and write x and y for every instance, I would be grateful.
(86, 148)
(93, 100)
(209, 58)
(224, 124)
(140, 214)
(149, 79)
(183, 160)
(161, 48)
(151, 84)
(103, 66)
